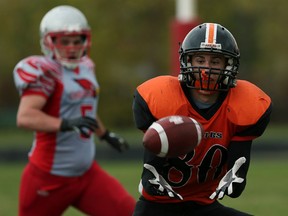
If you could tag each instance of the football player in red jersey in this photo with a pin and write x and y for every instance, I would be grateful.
(232, 112)
(59, 96)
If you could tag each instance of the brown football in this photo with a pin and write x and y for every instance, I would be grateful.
(173, 136)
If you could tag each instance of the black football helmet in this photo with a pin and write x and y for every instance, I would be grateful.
(209, 38)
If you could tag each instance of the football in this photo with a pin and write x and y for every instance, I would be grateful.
(173, 136)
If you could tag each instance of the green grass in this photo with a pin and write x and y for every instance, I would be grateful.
(266, 190)
(265, 194)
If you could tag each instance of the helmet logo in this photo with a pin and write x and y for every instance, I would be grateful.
(210, 45)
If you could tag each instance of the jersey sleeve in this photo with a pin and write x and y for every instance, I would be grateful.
(156, 98)
(142, 116)
(31, 77)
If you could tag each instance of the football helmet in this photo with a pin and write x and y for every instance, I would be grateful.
(64, 21)
(215, 39)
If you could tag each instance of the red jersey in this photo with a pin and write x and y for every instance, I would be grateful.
(196, 175)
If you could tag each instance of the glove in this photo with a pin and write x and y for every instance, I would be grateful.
(162, 183)
(82, 125)
(229, 178)
(115, 141)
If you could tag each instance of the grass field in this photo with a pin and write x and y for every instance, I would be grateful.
(265, 194)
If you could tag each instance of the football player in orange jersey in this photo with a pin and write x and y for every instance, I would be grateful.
(232, 112)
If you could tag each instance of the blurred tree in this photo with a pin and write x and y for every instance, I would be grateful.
(131, 44)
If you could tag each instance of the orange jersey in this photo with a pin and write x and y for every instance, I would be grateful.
(196, 175)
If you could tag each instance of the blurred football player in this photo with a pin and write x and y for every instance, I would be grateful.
(59, 96)
(232, 112)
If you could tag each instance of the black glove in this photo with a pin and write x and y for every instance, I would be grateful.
(115, 141)
(82, 125)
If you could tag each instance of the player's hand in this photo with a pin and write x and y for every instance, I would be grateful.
(162, 183)
(225, 185)
(115, 141)
(82, 125)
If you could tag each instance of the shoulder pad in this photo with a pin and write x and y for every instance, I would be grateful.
(35, 72)
(163, 95)
(246, 103)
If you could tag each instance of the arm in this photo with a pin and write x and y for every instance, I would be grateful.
(243, 149)
(240, 149)
(234, 181)
(30, 115)
(237, 150)
(101, 130)
(113, 139)
(152, 181)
